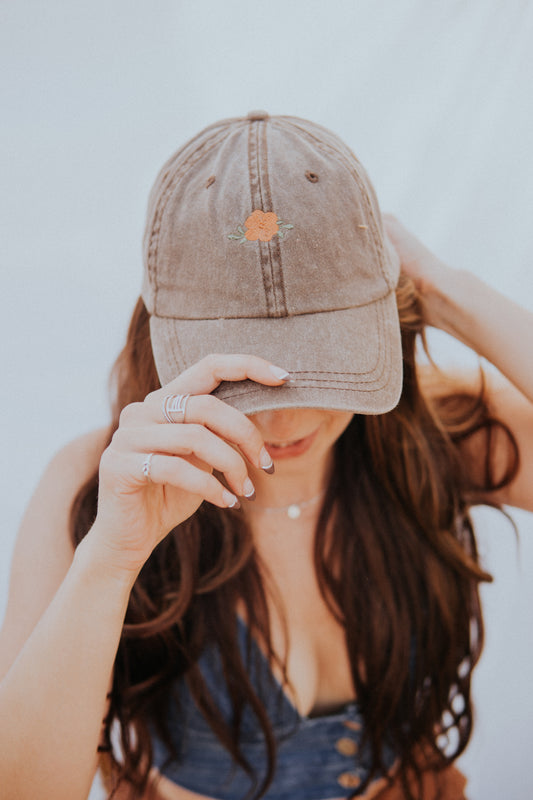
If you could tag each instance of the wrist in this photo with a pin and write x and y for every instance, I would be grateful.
(446, 298)
(96, 557)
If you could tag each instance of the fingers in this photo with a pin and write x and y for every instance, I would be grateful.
(229, 423)
(210, 436)
(204, 376)
(187, 441)
(177, 472)
(202, 410)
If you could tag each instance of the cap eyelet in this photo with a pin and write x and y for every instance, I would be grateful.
(311, 176)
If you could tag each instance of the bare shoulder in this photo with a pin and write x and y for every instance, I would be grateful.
(43, 549)
(47, 514)
(74, 463)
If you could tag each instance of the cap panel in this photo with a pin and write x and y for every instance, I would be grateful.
(201, 272)
(329, 143)
(334, 234)
(169, 173)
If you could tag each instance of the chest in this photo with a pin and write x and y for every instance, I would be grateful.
(317, 663)
(318, 667)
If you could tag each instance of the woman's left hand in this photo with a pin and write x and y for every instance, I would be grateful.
(500, 330)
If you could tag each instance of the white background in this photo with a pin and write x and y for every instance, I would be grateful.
(435, 99)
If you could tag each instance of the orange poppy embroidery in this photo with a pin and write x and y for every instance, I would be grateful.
(262, 225)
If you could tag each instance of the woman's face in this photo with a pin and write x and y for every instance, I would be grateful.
(297, 438)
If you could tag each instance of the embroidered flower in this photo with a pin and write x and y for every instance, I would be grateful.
(262, 225)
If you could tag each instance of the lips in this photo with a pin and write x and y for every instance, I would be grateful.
(290, 449)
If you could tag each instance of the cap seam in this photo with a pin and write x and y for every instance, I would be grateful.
(274, 249)
(362, 386)
(255, 200)
(288, 316)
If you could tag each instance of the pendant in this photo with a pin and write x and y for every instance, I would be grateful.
(293, 511)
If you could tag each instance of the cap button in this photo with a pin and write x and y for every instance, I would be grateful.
(257, 115)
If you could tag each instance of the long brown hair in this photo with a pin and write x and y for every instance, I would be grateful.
(400, 569)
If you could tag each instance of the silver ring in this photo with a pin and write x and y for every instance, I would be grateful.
(175, 404)
(147, 467)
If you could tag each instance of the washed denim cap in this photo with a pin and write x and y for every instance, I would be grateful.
(264, 236)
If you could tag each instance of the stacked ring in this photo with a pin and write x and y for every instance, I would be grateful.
(147, 467)
(175, 404)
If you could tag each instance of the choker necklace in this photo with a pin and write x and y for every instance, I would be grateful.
(294, 510)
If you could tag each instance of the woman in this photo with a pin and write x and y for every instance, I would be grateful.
(264, 574)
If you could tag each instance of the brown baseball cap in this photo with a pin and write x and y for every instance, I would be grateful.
(264, 236)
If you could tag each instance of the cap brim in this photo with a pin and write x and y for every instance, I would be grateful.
(347, 360)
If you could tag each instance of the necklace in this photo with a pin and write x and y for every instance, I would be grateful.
(294, 510)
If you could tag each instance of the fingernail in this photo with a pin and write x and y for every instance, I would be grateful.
(280, 374)
(249, 490)
(230, 500)
(265, 462)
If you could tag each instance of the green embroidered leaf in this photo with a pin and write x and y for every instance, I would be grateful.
(288, 226)
(241, 230)
(280, 234)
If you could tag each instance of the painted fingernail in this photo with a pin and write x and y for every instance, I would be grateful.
(280, 374)
(265, 462)
(230, 500)
(249, 490)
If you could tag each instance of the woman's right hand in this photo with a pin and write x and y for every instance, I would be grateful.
(135, 513)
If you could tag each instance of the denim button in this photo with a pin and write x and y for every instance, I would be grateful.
(346, 746)
(349, 780)
(352, 725)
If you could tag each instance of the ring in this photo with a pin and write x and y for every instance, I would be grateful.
(175, 404)
(147, 467)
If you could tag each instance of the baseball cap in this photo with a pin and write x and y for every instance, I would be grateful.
(264, 236)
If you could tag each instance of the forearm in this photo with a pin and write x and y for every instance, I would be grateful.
(53, 698)
(494, 326)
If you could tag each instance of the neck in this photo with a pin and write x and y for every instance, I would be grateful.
(287, 495)
(289, 484)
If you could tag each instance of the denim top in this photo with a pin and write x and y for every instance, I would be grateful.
(318, 758)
